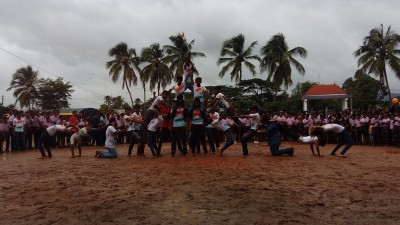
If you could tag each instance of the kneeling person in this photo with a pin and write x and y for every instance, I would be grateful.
(111, 134)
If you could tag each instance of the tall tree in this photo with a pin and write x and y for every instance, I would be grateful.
(111, 103)
(25, 82)
(126, 62)
(156, 71)
(377, 52)
(235, 55)
(257, 90)
(54, 94)
(278, 59)
(365, 91)
(180, 52)
(138, 101)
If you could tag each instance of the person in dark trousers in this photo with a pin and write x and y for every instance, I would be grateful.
(255, 122)
(221, 124)
(45, 138)
(211, 132)
(133, 122)
(274, 139)
(345, 137)
(178, 124)
(197, 116)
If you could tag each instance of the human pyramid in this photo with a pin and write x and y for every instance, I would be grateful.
(208, 116)
(197, 123)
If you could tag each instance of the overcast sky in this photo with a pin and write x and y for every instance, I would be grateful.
(71, 38)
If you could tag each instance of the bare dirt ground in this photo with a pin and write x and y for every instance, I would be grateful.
(363, 188)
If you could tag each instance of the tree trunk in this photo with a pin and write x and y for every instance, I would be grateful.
(158, 87)
(144, 94)
(129, 91)
(276, 93)
(387, 84)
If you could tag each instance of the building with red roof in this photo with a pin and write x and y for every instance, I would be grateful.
(325, 91)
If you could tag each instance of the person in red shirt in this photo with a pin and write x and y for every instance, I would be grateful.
(73, 120)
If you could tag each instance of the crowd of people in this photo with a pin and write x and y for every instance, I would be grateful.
(210, 123)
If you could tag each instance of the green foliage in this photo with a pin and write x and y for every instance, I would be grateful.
(54, 94)
(4, 110)
(365, 91)
(156, 72)
(179, 53)
(379, 51)
(24, 82)
(125, 62)
(256, 92)
(111, 103)
(234, 54)
(278, 59)
(301, 89)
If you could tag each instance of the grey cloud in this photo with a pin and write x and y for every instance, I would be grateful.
(72, 38)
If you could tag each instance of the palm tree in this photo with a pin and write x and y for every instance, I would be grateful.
(278, 59)
(179, 53)
(138, 101)
(125, 61)
(377, 52)
(157, 71)
(234, 54)
(25, 82)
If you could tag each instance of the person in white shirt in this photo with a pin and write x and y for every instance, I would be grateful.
(159, 101)
(19, 125)
(255, 122)
(46, 137)
(134, 123)
(345, 137)
(211, 132)
(197, 118)
(2, 133)
(221, 101)
(111, 134)
(178, 124)
(396, 128)
(200, 92)
(221, 124)
(151, 136)
(188, 70)
(179, 88)
(316, 139)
